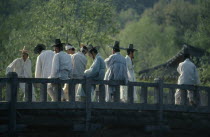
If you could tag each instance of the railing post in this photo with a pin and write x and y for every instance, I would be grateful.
(208, 93)
(171, 99)
(159, 91)
(12, 92)
(71, 91)
(130, 94)
(196, 96)
(143, 95)
(117, 93)
(1, 86)
(43, 92)
(101, 93)
(88, 104)
(58, 90)
(184, 100)
(28, 92)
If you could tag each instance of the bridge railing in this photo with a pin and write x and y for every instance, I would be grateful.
(159, 90)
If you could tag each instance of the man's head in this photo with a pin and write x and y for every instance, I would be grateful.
(70, 49)
(92, 52)
(84, 49)
(24, 53)
(130, 53)
(186, 56)
(24, 56)
(58, 46)
(116, 47)
(38, 49)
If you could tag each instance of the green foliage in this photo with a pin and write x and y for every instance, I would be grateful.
(75, 22)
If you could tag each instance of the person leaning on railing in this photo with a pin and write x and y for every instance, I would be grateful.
(188, 76)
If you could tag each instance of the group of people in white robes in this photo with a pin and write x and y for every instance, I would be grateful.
(70, 65)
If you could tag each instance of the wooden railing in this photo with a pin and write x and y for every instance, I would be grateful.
(12, 81)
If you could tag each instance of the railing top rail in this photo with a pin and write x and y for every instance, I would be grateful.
(185, 87)
(82, 81)
(4, 80)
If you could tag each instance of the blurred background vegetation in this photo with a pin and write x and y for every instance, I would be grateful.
(157, 28)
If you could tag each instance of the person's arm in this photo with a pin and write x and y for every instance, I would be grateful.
(11, 66)
(179, 69)
(38, 69)
(70, 66)
(55, 66)
(93, 70)
(129, 64)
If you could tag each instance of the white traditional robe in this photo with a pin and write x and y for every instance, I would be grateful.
(116, 70)
(23, 70)
(131, 78)
(96, 72)
(44, 64)
(79, 62)
(188, 76)
(61, 68)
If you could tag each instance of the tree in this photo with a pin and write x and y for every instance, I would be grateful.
(88, 21)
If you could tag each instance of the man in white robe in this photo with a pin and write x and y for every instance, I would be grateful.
(22, 66)
(116, 69)
(71, 51)
(131, 74)
(61, 67)
(43, 63)
(79, 62)
(96, 70)
(188, 76)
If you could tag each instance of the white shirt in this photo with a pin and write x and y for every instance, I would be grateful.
(61, 66)
(79, 62)
(21, 67)
(188, 73)
(130, 69)
(44, 64)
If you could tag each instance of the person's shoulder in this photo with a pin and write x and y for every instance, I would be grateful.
(17, 59)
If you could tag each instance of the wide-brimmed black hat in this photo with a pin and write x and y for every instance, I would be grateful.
(38, 48)
(130, 47)
(58, 43)
(116, 45)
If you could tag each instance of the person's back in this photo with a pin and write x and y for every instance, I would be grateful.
(61, 66)
(189, 76)
(44, 64)
(97, 69)
(79, 62)
(116, 66)
(188, 73)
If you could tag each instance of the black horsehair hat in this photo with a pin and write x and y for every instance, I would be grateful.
(116, 45)
(130, 47)
(58, 43)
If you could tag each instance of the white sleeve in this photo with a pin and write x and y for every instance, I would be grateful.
(38, 69)
(55, 67)
(11, 66)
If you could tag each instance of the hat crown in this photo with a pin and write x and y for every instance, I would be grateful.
(130, 46)
(57, 41)
(116, 45)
